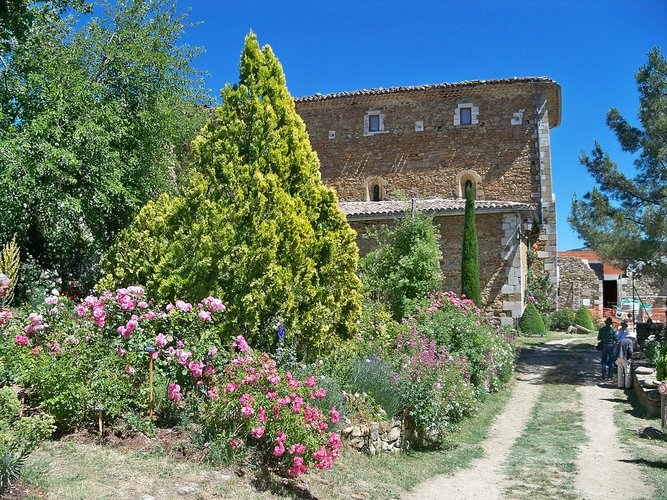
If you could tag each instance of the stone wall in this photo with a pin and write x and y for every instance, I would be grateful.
(376, 437)
(501, 255)
(425, 163)
(578, 285)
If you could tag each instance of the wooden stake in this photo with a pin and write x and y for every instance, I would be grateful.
(150, 384)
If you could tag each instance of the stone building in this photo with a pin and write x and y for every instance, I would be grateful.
(585, 279)
(389, 151)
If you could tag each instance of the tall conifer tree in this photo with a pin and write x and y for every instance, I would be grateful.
(256, 225)
(470, 255)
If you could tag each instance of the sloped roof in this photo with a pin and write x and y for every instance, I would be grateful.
(554, 91)
(377, 210)
(592, 257)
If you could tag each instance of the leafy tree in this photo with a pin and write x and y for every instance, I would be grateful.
(470, 286)
(625, 219)
(255, 225)
(531, 321)
(95, 119)
(406, 265)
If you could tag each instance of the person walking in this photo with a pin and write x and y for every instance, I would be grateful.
(623, 354)
(607, 336)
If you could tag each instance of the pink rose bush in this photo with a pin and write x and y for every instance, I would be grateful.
(277, 416)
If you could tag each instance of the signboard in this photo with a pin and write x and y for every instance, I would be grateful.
(662, 388)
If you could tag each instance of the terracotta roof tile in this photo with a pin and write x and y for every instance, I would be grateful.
(358, 210)
(433, 86)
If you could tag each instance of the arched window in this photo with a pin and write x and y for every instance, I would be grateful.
(376, 193)
(472, 178)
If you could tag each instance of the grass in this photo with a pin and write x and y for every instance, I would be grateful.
(67, 470)
(543, 461)
(533, 340)
(649, 455)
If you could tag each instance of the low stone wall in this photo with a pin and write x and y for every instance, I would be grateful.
(376, 437)
(645, 385)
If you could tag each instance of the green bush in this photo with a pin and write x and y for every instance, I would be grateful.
(583, 318)
(19, 436)
(561, 320)
(661, 365)
(531, 322)
(406, 265)
(373, 376)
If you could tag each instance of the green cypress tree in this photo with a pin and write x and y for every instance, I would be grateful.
(531, 321)
(256, 226)
(470, 255)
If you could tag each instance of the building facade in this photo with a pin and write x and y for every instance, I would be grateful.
(389, 151)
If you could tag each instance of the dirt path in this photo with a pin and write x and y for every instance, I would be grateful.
(604, 453)
(599, 460)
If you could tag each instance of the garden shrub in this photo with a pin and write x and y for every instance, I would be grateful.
(19, 436)
(374, 377)
(531, 322)
(457, 325)
(255, 226)
(259, 410)
(435, 385)
(583, 318)
(561, 320)
(406, 265)
(661, 365)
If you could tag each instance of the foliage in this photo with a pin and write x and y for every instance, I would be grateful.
(661, 365)
(625, 219)
(561, 320)
(19, 436)
(96, 116)
(270, 413)
(583, 318)
(470, 286)
(256, 226)
(9, 265)
(652, 348)
(76, 357)
(406, 265)
(541, 291)
(531, 322)
(435, 385)
(373, 376)
(457, 325)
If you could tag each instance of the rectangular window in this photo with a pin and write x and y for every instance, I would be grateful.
(373, 123)
(466, 116)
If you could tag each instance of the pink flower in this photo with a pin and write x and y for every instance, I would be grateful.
(149, 315)
(212, 352)
(246, 411)
(130, 370)
(257, 432)
(241, 344)
(183, 306)
(335, 416)
(213, 393)
(297, 449)
(22, 340)
(246, 399)
(209, 371)
(121, 352)
(236, 443)
(51, 300)
(204, 315)
(298, 467)
(175, 392)
(310, 382)
(230, 387)
(196, 368)
(261, 415)
(143, 304)
(154, 355)
(81, 310)
(279, 450)
(170, 307)
(320, 393)
(161, 340)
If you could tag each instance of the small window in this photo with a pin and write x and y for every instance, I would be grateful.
(376, 193)
(466, 116)
(373, 123)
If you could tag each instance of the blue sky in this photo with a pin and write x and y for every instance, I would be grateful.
(592, 48)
